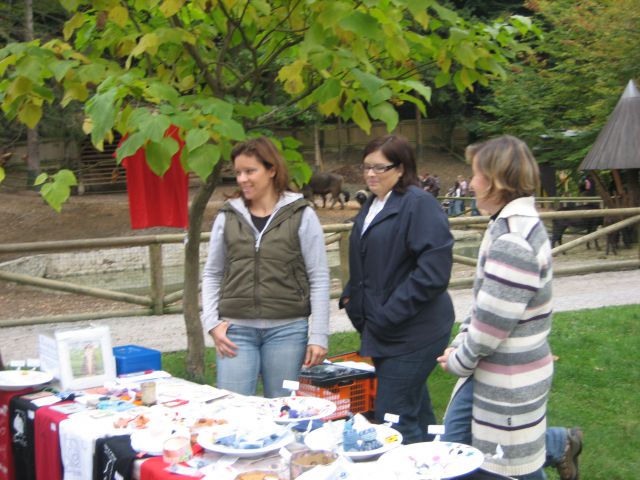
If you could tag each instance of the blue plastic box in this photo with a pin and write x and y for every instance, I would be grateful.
(132, 358)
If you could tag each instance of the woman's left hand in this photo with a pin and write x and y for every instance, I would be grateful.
(442, 360)
(315, 355)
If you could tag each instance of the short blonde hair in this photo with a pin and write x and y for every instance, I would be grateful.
(508, 165)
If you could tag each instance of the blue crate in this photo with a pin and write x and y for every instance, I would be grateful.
(132, 358)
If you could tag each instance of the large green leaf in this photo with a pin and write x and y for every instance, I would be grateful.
(361, 118)
(369, 82)
(361, 24)
(196, 138)
(155, 126)
(203, 159)
(159, 155)
(61, 67)
(385, 112)
(158, 92)
(30, 114)
(230, 129)
(328, 90)
(419, 87)
(130, 146)
(58, 189)
(102, 112)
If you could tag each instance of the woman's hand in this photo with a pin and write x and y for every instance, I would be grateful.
(224, 346)
(442, 359)
(315, 355)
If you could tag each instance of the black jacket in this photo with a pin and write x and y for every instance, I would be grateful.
(399, 272)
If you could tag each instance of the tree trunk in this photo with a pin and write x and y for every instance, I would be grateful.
(318, 152)
(195, 336)
(419, 140)
(33, 146)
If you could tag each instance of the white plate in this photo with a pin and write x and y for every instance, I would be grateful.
(423, 460)
(151, 440)
(330, 436)
(320, 407)
(205, 441)
(19, 379)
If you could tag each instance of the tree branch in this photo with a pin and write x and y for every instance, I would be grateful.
(195, 54)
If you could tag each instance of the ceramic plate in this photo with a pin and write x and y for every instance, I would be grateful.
(429, 460)
(151, 440)
(330, 437)
(206, 441)
(307, 408)
(19, 379)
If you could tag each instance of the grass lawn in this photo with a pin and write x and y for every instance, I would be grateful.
(596, 385)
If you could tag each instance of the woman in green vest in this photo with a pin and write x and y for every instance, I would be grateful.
(265, 274)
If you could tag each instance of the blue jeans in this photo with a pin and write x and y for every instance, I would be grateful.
(276, 354)
(402, 390)
(457, 427)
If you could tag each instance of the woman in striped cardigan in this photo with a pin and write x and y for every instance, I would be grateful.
(501, 354)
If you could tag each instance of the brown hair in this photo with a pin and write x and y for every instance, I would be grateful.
(265, 152)
(508, 165)
(398, 151)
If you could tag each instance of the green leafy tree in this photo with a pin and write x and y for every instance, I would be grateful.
(225, 70)
(560, 95)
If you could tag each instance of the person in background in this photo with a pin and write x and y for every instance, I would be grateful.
(453, 207)
(266, 272)
(400, 259)
(501, 352)
(464, 191)
(474, 204)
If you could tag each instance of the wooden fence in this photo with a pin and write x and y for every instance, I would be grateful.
(158, 302)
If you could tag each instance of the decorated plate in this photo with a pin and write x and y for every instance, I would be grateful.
(329, 437)
(295, 409)
(428, 460)
(208, 441)
(19, 379)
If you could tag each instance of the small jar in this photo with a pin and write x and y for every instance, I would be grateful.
(148, 391)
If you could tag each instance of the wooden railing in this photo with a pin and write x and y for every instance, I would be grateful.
(157, 302)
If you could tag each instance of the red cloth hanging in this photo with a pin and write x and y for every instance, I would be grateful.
(157, 201)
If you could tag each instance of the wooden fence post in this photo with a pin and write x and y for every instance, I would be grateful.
(157, 280)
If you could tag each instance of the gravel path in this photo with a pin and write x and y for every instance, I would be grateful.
(167, 333)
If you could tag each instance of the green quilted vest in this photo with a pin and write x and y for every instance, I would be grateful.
(271, 282)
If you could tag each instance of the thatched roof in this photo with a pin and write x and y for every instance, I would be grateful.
(618, 144)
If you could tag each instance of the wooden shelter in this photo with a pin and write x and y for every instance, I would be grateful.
(617, 148)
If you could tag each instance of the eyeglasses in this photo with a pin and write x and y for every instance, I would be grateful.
(377, 168)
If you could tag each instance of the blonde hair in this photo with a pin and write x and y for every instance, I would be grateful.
(508, 165)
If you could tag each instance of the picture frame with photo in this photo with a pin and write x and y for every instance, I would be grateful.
(80, 358)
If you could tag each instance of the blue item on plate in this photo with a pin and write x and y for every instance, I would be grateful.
(303, 425)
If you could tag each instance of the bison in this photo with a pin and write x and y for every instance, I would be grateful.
(323, 184)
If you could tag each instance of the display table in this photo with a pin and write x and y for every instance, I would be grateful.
(105, 437)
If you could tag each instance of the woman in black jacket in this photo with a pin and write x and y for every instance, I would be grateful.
(400, 258)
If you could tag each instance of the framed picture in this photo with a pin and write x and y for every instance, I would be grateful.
(79, 358)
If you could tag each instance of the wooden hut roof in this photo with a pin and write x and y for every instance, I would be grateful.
(618, 144)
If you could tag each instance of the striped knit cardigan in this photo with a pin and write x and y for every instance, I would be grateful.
(503, 343)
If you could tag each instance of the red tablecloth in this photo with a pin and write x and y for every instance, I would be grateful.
(47, 443)
(6, 453)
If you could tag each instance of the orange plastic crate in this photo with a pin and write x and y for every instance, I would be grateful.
(350, 396)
